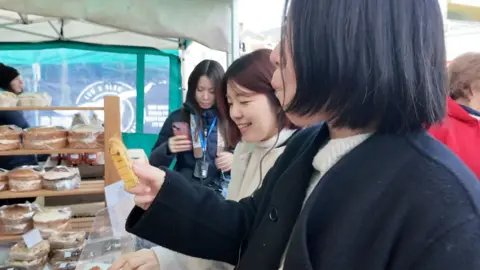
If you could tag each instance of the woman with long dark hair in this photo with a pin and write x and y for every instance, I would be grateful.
(190, 140)
(370, 188)
(256, 126)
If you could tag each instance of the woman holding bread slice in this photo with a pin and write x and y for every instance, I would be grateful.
(259, 129)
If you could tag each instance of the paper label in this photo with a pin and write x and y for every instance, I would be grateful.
(63, 265)
(32, 238)
(68, 254)
(92, 156)
(74, 156)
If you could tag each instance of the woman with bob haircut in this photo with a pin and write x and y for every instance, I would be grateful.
(460, 130)
(256, 126)
(370, 189)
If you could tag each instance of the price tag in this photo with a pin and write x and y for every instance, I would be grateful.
(68, 254)
(32, 238)
(92, 156)
(74, 156)
(63, 265)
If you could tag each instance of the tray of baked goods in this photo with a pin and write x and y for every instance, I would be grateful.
(39, 181)
(80, 138)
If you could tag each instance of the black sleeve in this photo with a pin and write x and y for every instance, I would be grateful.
(14, 118)
(194, 220)
(456, 249)
(161, 155)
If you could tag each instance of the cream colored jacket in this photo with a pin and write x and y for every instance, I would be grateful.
(251, 162)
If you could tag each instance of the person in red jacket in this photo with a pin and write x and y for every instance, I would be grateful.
(460, 130)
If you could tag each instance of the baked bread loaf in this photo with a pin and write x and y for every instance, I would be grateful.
(123, 164)
(61, 178)
(64, 240)
(86, 136)
(3, 180)
(10, 137)
(66, 255)
(20, 251)
(17, 213)
(45, 138)
(38, 99)
(26, 178)
(51, 221)
(8, 99)
(34, 264)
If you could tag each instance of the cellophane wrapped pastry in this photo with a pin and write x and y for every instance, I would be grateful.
(45, 138)
(25, 178)
(8, 99)
(66, 240)
(61, 178)
(3, 179)
(34, 258)
(17, 218)
(85, 136)
(10, 137)
(37, 99)
(52, 220)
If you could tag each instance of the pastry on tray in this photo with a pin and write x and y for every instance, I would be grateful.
(8, 99)
(20, 251)
(51, 221)
(45, 138)
(64, 240)
(26, 178)
(61, 178)
(3, 180)
(10, 137)
(86, 136)
(37, 99)
(17, 213)
(66, 255)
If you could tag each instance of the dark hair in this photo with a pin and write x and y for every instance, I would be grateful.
(213, 71)
(368, 63)
(253, 71)
(463, 71)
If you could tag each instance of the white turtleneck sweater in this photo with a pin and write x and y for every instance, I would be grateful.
(327, 156)
(246, 178)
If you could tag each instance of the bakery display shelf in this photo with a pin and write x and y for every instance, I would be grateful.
(55, 108)
(77, 224)
(21, 152)
(86, 188)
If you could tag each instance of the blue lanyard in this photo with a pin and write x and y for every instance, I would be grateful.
(203, 141)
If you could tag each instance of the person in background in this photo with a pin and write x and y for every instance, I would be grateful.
(255, 123)
(370, 188)
(11, 81)
(460, 130)
(191, 137)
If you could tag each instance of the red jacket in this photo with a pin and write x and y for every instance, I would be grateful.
(461, 133)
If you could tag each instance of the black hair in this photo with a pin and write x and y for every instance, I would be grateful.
(214, 71)
(367, 63)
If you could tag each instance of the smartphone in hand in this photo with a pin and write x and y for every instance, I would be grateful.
(181, 128)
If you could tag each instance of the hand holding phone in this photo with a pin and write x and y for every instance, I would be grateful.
(181, 141)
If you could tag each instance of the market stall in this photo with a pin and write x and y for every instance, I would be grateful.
(79, 52)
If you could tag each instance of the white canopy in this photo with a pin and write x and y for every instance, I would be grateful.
(158, 24)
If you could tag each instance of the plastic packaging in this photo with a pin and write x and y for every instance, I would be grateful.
(86, 136)
(52, 220)
(66, 255)
(92, 158)
(74, 159)
(38, 99)
(10, 137)
(25, 178)
(61, 178)
(16, 229)
(20, 252)
(65, 240)
(8, 99)
(3, 179)
(34, 264)
(108, 239)
(45, 138)
(17, 213)
(63, 265)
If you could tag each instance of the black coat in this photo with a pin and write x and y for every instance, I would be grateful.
(161, 156)
(395, 202)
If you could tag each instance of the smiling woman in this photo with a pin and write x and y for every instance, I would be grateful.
(369, 189)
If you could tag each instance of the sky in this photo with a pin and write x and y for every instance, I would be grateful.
(260, 15)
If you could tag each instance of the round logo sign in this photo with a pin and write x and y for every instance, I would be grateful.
(92, 96)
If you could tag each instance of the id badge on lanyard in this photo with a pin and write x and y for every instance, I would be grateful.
(201, 165)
